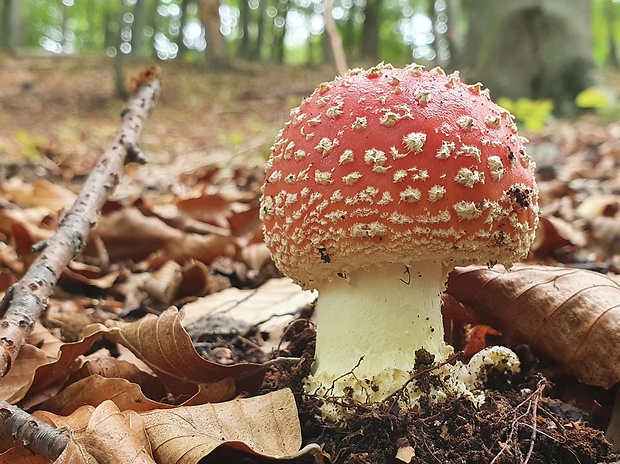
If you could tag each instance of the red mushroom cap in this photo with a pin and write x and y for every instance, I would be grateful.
(394, 165)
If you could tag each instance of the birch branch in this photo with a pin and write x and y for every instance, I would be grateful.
(38, 436)
(24, 303)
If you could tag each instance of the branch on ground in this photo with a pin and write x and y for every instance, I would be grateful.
(24, 303)
(38, 436)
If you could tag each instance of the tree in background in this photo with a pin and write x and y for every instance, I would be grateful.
(216, 52)
(530, 48)
(11, 32)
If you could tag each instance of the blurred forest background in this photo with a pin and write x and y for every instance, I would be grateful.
(544, 51)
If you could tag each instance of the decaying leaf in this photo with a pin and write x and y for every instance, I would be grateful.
(276, 299)
(569, 315)
(42, 367)
(103, 435)
(95, 389)
(265, 425)
(164, 345)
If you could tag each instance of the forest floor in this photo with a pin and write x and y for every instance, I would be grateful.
(206, 143)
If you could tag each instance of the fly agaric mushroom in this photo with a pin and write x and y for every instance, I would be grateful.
(380, 184)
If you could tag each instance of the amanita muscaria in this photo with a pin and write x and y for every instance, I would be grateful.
(380, 184)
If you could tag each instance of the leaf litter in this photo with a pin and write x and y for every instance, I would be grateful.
(182, 236)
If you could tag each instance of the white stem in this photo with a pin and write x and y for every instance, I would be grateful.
(383, 314)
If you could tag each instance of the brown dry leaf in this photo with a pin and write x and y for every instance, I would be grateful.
(39, 193)
(269, 307)
(190, 247)
(569, 315)
(599, 205)
(164, 345)
(163, 284)
(110, 436)
(195, 281)
(210, 208)
(16, 383)
(128, 234)
(604, 235)
(96, 389)
(111, 368)
(51, 196)
(265, 425)
(49, 378)
(554, 233)
(31, 218)
(20, 455)
(41, 350)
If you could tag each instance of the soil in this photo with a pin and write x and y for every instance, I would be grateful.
(518, 423)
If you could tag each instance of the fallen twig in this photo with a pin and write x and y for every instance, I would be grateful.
(24, 303)
(38, 436)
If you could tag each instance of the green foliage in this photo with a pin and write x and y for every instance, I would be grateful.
(530, 114)
(30, 144)
(232, 139)
(593, 98)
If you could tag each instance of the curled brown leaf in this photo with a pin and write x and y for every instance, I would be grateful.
(569, 315)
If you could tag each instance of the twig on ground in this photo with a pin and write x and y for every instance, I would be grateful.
(28, 298)
(38, 436)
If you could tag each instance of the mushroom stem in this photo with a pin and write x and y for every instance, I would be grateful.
(383, 314)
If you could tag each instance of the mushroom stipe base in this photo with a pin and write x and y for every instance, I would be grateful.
(372, 323)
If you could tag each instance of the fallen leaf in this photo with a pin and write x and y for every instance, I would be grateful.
(265, 425)
(49, 378)
(103, 435)
(164, 345)
(211, 208)
(20, 455)
(128, 234)
(569, 315)
(111, 368)
(274, 302)
(96, 389)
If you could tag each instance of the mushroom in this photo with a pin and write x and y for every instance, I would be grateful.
(381, 182)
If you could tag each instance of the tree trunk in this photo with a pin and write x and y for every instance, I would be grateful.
(348, 36)
(279, 33)
(612, 56)
(244, 18)
(137, 28)
(531, 48)
(370, 34)
(260, 36)
(454, 34)
(335, 39)
(180, 38)
(119, 58)
(11, 24)
(216, 53)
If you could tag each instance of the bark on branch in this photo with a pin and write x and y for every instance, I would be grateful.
(24, 303)
(38, 436)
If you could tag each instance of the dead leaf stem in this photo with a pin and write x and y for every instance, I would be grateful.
(28, 298)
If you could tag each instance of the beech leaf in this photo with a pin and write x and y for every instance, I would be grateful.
(95, 389)
(164, 345)
(266, 425)
(569, 315)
